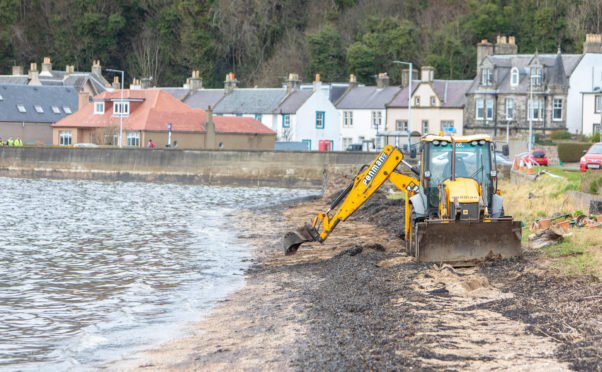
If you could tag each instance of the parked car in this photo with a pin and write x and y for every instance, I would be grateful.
(355, 147)
(536, 156)
(592, 159)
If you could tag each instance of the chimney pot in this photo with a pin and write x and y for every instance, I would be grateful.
(593, 43)
(317, 77)
(230, 83)
(382, 81)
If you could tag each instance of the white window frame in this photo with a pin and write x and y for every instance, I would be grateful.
(433, 101)
(417, 101)
(99, 107)
(557, 108)
(538, 106)
(67, 110)
(447, 124)
(38, 109)
(21, 108)
(514, 77)
(401, 125)
(346, 142)
(1, 98)
(133, 139)
(121, 108)
(489, 109)
(536, 75)
(486, 76)
(348, 119)
(65, 137)
(425, 126)
(479, 108)
(56, 109)
(597, 103)
(509, 108)
(377, 119)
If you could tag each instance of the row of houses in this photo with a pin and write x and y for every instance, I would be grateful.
(510, 92)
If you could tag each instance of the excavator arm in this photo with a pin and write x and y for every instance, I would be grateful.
(361, 188)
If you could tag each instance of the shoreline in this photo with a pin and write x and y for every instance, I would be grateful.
(358, 302)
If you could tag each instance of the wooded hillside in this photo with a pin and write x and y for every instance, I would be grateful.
(263, 40)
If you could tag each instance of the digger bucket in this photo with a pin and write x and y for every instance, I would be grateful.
(467, 243)
(293, 239)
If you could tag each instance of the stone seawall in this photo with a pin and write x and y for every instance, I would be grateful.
(234, 168)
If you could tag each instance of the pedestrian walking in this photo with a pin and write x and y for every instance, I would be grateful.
(150, 144)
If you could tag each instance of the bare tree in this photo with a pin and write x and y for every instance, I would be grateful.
(146, 52)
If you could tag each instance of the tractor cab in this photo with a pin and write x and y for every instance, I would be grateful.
(453, 160)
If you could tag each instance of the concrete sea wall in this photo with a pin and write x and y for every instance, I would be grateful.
(210, 167)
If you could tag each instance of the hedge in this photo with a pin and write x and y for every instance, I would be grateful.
(571, 152)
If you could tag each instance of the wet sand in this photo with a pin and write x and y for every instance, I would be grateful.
(357, 302)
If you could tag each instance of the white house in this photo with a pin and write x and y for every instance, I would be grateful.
(363, 113)
(586, 77)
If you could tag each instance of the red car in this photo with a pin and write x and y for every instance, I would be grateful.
(537, 156)
(592, 158)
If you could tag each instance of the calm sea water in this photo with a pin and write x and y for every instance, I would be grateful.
(91, 271)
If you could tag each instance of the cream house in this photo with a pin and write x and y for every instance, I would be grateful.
(592, 112)
(436, 106)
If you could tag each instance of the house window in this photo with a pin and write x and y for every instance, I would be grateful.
(425, 126)
(480, 108)
(509, 108)
(596, 128)
(489, 109)
(65, 138)
(1, 98)
(67, 109)
(133, 139)
(39, 109)
(347, 119)
(377, 118)
(346, 142)
(447, 124)
(401, 125)
(536, 75)
(433, 101)
(286, 121)
(514, 77)
(320, 117)
(99, 107)
(258, 117)
(56, 110)
(417, 101)
(21, 108)
(557, 111)
(121, 109)
(486, 76)
(598, 106)
(308, 143)
(535, 109)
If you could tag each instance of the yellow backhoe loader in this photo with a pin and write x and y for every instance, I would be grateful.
(453, 209)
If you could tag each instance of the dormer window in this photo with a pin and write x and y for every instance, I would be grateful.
(486, 76)
(1, 98)
(99, 108)
(67, 109)
(536, 75)
(56, 110)
(417, 101)
(21, 108)
(121, 109)
(514, 77)
(39, 109)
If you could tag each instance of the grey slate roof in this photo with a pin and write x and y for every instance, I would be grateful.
(294, 100)
(401, 99)
(250, 101)
(557, 69)
(452, 93)
(203, 98)
(367, 98)
(14, 79)
(178, 93)
(29, 96)
(58, 78)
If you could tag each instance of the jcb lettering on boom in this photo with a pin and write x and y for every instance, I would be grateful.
(375, 168)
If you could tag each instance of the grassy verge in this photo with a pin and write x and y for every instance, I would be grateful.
(581, 251)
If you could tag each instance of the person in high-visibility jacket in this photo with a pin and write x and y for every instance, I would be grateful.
(1, 142)
(18, 142)
(10, 141)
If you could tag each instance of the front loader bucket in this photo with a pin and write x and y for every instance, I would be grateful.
(293, 239)
(465, 243)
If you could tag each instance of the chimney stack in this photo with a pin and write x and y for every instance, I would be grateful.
(116, 84)
(293, 83)
(405, 76)
(505, 46)
(230, 83)
(34, 75)
(135, 84)
(46, 67)
(145, 82)
(352, 81)
(484, 49)
(427, 74)
(17, 70)
(382, 80)
(317, 83)
(83, 99)
(96, 68)
(593, 43)
(195, 82)
(69, 69)
(209, 130)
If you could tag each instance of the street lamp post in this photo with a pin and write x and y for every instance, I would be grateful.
(121, 113)
(409, 99)
(530, 144)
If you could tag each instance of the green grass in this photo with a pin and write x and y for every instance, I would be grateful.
(563, 249)
(578, 265)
